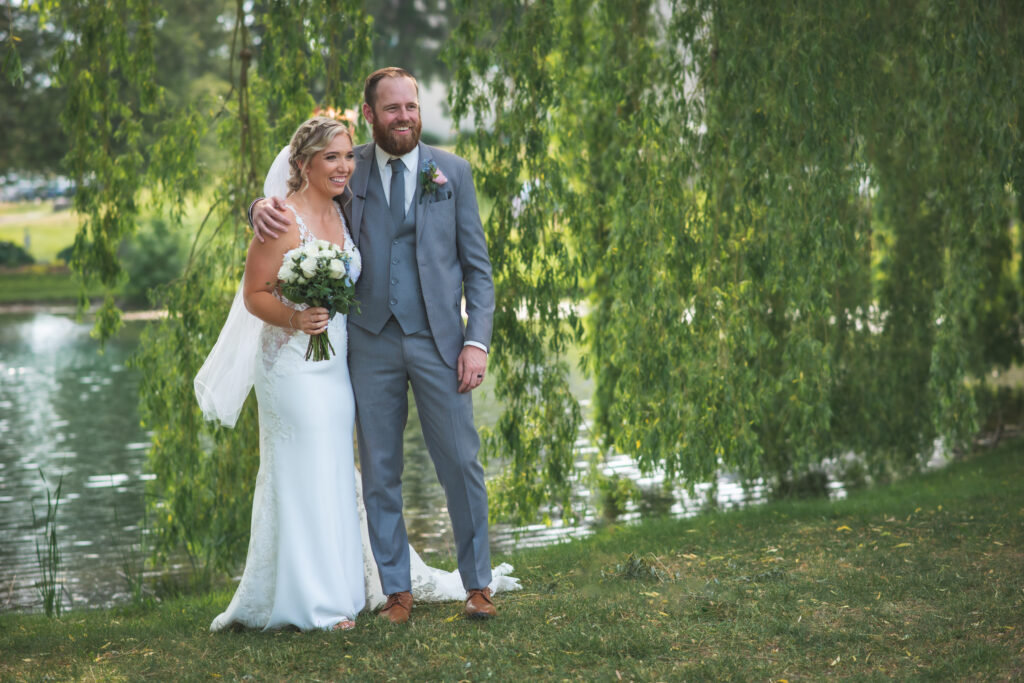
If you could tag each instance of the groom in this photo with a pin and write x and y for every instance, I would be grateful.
(415, 219)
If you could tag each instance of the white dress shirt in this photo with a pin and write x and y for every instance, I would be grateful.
(412, 167)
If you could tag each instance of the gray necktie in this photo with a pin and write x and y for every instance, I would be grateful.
(397, 191)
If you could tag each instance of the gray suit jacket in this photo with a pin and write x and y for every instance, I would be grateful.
(451, 253)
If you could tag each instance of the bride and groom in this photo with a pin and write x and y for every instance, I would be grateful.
(323, 547)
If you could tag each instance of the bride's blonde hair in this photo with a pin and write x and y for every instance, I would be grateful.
(311, 137)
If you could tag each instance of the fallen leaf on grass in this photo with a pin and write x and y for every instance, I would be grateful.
(843, 528)
(903, 545)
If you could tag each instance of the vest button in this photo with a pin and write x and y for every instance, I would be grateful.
(394, 280)
(394, 259)
(394, 242)
(394, 301)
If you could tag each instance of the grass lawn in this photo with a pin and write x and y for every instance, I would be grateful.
(39, 285)
(919, 580)
(49, 231)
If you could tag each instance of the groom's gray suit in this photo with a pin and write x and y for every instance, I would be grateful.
(410, 331)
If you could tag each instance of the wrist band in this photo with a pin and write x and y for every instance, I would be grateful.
(290, 319)
(249, 212)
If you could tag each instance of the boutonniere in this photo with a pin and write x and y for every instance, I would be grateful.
(431, 178)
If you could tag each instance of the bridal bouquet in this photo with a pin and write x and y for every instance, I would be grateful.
(317, 274)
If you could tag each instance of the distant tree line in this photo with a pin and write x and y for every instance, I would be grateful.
(192, 46)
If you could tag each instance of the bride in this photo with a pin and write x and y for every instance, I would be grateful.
(308, 564)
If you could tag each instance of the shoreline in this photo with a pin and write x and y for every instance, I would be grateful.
(65, 308)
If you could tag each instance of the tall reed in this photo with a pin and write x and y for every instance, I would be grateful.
(51, 590)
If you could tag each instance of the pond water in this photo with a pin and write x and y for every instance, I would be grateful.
(68, 411)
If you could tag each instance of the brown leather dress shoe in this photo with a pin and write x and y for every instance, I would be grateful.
(479, 605)
(397, 608)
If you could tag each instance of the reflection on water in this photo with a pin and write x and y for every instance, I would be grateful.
(67, 411)
(70, 412)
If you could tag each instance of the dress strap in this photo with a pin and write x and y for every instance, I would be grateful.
(305, 235)
(344, 227)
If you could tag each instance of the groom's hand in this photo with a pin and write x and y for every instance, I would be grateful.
(471, 366)
(269, 218)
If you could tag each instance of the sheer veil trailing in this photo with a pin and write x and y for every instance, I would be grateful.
(226, 377)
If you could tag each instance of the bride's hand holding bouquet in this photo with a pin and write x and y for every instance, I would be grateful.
(317, 274)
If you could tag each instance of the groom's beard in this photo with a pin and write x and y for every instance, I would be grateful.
(393, 144)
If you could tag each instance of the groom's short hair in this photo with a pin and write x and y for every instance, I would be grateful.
(370, 87)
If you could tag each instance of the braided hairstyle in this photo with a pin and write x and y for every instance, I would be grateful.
(311, 137)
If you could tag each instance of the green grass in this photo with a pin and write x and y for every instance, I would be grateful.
(920, 580)
(49, 231)
(39, 285)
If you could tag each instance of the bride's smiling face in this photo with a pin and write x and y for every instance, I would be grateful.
(330, 169)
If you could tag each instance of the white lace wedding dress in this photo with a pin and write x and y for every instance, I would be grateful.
(304, 566)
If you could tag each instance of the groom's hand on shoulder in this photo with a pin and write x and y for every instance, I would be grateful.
(269, 218)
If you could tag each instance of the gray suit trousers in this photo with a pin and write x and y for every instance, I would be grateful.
(382, 367)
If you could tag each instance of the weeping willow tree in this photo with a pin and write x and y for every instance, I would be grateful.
(778, 231)
(202, 491)
(130, 150)
(791, 226)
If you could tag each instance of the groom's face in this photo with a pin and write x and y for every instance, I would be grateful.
(395, 115)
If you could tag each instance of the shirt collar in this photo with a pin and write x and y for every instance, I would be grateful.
(411, 159)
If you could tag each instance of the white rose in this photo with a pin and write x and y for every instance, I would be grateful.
(286, 274)
(324, 245)
(310, 250)
(308, 266)
(337, 268)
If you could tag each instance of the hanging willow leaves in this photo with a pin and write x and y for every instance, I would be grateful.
(124, 138)
(792, 225)
(204, 474)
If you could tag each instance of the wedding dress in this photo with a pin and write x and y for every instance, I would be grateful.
(304, 567)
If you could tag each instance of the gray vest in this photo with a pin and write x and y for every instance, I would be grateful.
(392, 250)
